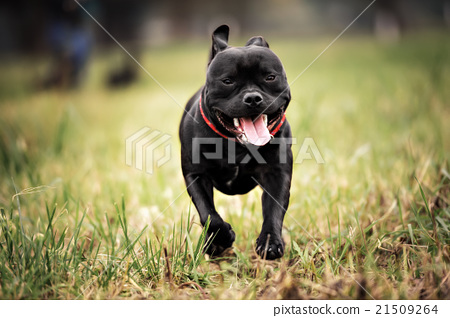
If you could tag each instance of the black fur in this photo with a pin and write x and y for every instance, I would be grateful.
(248, 69)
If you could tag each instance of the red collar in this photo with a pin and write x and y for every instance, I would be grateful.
(211, 125)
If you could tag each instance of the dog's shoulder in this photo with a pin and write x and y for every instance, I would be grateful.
(192, 101)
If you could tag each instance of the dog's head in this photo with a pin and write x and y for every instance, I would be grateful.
(246, 91)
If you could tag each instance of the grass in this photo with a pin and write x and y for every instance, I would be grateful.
(373, 221)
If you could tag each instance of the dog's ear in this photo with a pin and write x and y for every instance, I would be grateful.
(219, 40)
(258, 41)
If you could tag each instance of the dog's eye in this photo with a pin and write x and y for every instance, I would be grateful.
(270, 78)
(227, 81)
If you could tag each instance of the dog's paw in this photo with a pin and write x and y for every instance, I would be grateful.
(269, 246)
(219, 238)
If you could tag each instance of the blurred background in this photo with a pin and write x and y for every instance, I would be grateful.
(29, 26)
(64, 32)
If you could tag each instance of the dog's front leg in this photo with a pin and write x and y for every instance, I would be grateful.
(275, 201)
(220, 235)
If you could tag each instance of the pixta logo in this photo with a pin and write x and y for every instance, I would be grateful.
(147, 149)
(308, 151)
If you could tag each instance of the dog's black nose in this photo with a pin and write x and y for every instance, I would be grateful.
(253, 99)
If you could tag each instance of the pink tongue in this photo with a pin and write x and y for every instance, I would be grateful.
(256, 132)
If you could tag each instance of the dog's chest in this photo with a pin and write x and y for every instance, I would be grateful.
(226, 175)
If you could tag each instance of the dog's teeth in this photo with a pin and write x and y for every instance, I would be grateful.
(264, 117)
(236, 122)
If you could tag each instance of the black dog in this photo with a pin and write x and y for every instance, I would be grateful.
(234, 136)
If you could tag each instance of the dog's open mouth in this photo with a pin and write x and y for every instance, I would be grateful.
(255, 130)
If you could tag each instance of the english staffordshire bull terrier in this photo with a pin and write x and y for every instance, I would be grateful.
(234, 137)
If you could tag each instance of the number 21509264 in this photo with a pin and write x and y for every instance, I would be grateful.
(407, 309)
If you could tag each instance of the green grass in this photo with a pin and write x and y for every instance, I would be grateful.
(372, 221)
